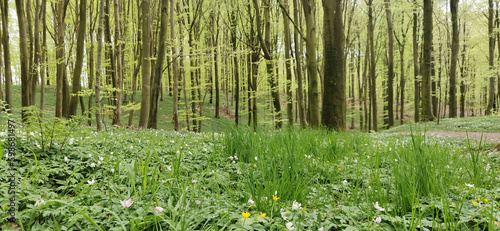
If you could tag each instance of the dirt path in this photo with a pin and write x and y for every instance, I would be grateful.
(490, 137)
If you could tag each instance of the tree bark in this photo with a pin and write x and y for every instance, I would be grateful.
(491, 57)
(146, 68)
(175, 68)
(334, 95)
(157, 76)
(118, 81)
(416, 70)
(6, 52)
(390, 77)
(79, 58)
(455, 46)
(313, 87)
(298, 63)
(427, 63)
(373, 77)
(288, 64)
(98, 68)
(23, 46)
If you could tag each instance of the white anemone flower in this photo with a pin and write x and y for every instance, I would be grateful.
(39, 202)
(250, 201)
(289, 226)
(378, 207)
(158, 210)
(90, 182)
(296, 205)
(377, 220)
(126, 203)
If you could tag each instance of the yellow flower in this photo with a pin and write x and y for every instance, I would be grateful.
(262, 215)
(245, 215)
(255, 165)
(275, 198)
(340, 169)
(485, 200)
(474, 202)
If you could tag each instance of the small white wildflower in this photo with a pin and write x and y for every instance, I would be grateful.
(230, 157)
(377, 220)
(289, 226)
(258, 158)
(112, 170)
(126, 203)
(296, 205)
(275, 193)
(169, 168)
(98, 162)
(488, 167)
(378, 207)
(92, 165)
(71, 141)
(321, 229)
(66, 159)
(39, 202)
(355, 161)
(250, 201)
(90, 155)
(469, 185)
(197, 202)
(235, 157)
(101, 158)
(90, 182)
(234, 162)
(344, 182)
(194, 181)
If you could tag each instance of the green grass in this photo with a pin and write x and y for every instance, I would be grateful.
(205, 181)
(469, 124)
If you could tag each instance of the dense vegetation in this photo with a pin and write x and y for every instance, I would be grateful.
(74, 178)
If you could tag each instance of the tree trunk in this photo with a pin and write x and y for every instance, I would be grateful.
(427, 63)
(298, 63)
(373, 77)
(79, 58)
(416, 71)
(288, 64)
(175, 68)
(313, 88)
(118, 81)
(98, 68)
(23, 46)
(6, 52)
(334, 95)
(157, 75)
(454, 58)
(390, 77)
(146, 68)
(491, 57)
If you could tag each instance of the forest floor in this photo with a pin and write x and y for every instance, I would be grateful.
(485, 136)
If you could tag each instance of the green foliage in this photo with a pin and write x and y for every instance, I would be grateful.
(305, 178)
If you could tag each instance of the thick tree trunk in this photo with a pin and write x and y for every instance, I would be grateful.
(79, 58)
(157, 74)
(23, 46)
(146, 68)
(334, 95)
(427, 63)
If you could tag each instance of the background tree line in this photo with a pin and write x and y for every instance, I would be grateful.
(335, 63)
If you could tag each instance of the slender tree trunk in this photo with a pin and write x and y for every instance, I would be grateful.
(236, 68)
(491, 57)
(427, 63)
(175, 68)
(137, 59)
(416, 63)
(390, 77)
(98, 67)
(60, 31)
(6, 52)
(313, 88)
(288, 65)
(146, 68)
(373, 77)
(334, 95)
(157, 75)
(455, 46)
(43, 54)
(298, 63)
(79, 58)
(118, 81)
